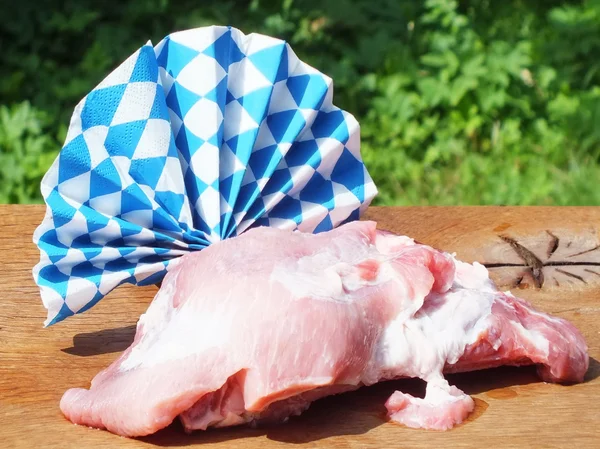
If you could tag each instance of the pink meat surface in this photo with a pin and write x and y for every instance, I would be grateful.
(257, 327)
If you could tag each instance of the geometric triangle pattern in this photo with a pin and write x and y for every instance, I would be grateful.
(197, 139)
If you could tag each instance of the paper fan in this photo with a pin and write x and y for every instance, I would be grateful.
(195, 140)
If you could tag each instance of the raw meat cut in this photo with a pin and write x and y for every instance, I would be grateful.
(257, 327)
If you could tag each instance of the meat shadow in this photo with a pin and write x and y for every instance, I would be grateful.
(346, 414)
(475, 382)
(593, 371)
(353, 413)
(101, 342)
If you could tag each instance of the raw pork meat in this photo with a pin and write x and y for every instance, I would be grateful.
(257, 327)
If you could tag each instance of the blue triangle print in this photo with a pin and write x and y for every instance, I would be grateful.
(146, 67)
(229, 98)
(50, 244)
(104, 179)
(308, 91)
(230, 188)
(256, 103)
(174, 57)
(325, 225)
(305, 152)
(331, 124)
(243, 144)
(187, 142)
(128, 229)
(181, 100)
(297, 86)
(91, 251)
(172, 152)
(134, 199)
(355, 215)
(88, 271)
(256, 209)
(51, 276)
(268, 60)
(349, 172)
(147, 171)
(64, 311)
(74, 159)
(289, 208)
(225, 186)
(62, 212)
(159, 108)
(280, 181)
(122, 140)
(95, 220)
(100, 106)
(225, 51)
(262, 159)
(164, 221)
(219, 95)
(282, 71)
(286, 125)
(246, 195)
(153, 278)
(171, 202)
(97, 297)
(318, 190)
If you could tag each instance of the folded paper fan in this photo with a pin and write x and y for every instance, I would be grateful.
(197, 139)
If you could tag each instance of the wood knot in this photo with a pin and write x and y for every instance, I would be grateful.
(547, 259)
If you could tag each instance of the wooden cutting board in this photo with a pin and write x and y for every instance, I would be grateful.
(550, 256)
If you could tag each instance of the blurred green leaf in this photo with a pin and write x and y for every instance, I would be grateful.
(470, 102)
(25, 153)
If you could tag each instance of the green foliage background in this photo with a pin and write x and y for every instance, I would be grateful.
(470, 102)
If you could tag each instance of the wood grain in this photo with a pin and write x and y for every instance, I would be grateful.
(514, 409)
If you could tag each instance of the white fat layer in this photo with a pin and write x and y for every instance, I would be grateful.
(422, 344)
(323, 277)
(535, 337)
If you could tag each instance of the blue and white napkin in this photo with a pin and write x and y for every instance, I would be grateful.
(195, 140)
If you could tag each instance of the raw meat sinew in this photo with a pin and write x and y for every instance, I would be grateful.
(257, 327)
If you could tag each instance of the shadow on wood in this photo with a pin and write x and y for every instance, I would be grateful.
(483, 381)
(593, 371)
(101, 342)
(327, 417)
(364, 408)
(475, 382)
